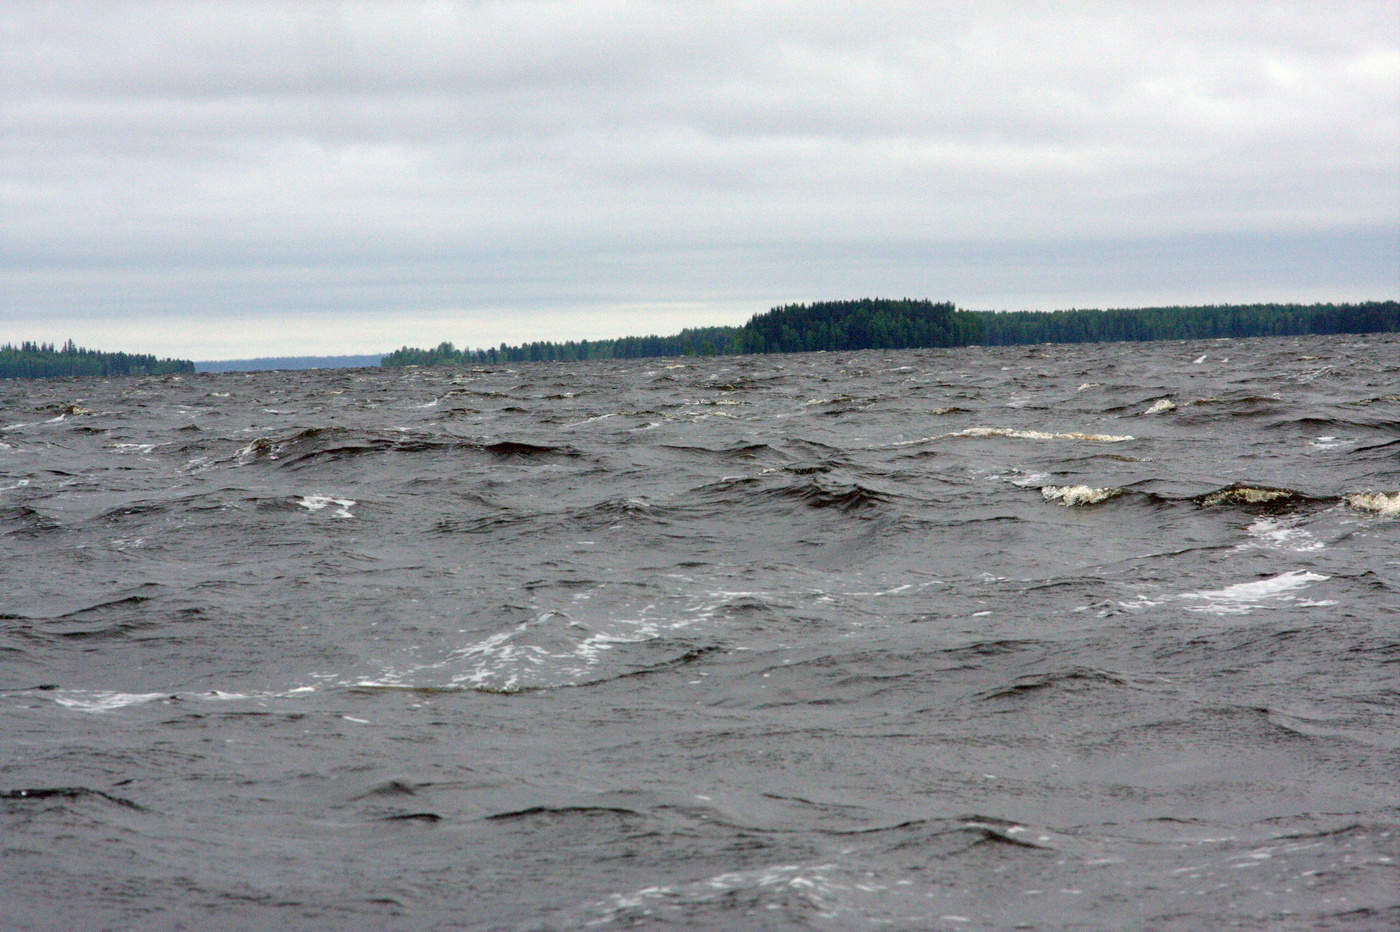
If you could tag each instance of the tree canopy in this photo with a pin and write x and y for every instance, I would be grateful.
(884, 323)
(44, 360)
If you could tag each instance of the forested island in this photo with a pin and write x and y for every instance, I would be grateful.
(883, 323)
(44, 360)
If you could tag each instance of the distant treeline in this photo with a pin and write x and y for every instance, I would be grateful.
(1187, 323)
(868, 323)
(882, 323)
(706, 341)
(44, 360)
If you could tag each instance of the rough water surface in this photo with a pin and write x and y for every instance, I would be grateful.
(1090, 637)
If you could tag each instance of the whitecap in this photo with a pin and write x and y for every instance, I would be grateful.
(1271, 533)
(94, 700)
(1242, 598)
(1247, 495)
(317, 502)
(1384, 503)
(1075, 495)
(1161, 406)
(553, 650)
(261, 448)
(821, 886)
(1038, 435)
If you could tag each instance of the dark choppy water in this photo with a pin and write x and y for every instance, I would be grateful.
(958, 639)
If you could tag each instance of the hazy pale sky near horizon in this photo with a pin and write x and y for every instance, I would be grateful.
(218, 180)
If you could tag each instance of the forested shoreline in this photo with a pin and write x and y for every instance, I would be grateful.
(866, 323)
(882, 323)
(1187, 323)
(31, 360)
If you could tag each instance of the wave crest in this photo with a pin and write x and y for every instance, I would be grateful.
(1077, 495)
(1384, 503)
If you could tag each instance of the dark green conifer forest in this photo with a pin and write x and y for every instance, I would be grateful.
(43, 360)
(883, 323)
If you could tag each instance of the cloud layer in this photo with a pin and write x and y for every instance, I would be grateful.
(365, 175)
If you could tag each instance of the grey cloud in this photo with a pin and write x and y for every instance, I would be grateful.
(485, 143)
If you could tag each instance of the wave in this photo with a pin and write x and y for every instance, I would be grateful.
(1243, 598)
(550, 652)
(516, 450)
(1077, 495)
(101, 700)
(738, 452)
(1383, 503)
(980, 432)
(560, 813)
(336, 443)
(80, 611)
(845, 497)
(65, 794)
(26, 521)
(1258, 499)
(1077, 678)
(314, 503)
(1251, 495)
(811, 486)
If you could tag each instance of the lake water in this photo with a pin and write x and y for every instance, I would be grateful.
(1055, 637)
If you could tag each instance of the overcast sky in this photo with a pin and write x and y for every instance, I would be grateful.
(237, 178)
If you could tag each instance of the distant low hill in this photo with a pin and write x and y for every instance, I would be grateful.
(264, 363)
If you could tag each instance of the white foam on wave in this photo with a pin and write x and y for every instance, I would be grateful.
(590, 420)
(1017, 477)
(551, 651)
(1383, 503)
(1243, 598)
(513, 660)
(1161, 406)
(821, 886)
(259, 448)
(98, 700)
(1077, 495)
(1247, 495)
(978, 432)
(1273, 534)
(318, 502)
